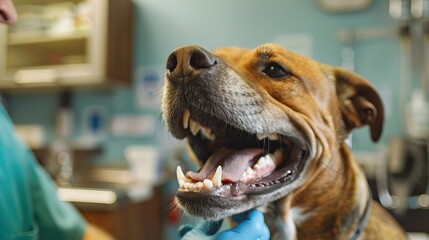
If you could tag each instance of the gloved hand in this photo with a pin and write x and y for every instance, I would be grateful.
(251, 226)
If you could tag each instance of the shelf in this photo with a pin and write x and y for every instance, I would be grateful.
(16, 39)
(93, 54)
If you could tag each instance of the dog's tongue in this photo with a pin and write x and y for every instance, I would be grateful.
(233, 162)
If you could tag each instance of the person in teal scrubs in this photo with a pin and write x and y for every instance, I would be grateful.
(29, 205)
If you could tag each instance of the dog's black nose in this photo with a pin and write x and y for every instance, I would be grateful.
(188, 62)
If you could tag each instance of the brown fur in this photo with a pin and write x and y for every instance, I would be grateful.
(323, 104)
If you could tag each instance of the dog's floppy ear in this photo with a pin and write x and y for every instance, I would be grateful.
(359, 102)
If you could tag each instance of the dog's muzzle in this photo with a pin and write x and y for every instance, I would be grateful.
(246, 158)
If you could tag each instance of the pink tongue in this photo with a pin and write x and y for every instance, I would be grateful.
(233, 163)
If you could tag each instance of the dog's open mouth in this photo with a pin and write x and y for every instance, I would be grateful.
(236, 162)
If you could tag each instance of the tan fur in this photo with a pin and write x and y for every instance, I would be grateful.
(322, 104)
(332, 187)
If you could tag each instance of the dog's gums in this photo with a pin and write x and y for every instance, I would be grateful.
(249, 148)
(255, 167)
(266, 127)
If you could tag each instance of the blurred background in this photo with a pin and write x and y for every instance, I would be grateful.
(81, 80)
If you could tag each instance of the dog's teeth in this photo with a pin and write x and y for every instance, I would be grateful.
(272, 136)
(261, 136)
(250, 171)
(199, 185)
(217, 177)
(207, 132)
(261, 163)
(264, 162)
(278, 156)
(208, 183)
(269, 159)
(186, 116)
(186, 185)
(181, 178)
(194, 127)
(249, 174)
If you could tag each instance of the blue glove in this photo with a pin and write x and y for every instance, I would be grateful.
(251, 226)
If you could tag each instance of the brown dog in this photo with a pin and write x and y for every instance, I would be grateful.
(268, 128)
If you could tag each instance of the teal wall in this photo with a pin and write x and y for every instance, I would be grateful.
(163, 25)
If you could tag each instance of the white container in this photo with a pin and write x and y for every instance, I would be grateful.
(144, 162)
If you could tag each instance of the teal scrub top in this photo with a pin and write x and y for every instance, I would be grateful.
(29, 205)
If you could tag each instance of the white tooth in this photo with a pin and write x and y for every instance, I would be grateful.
(208, 183)
(247, 174)
(181, 178)
(269, 159)
(194, 126)
(199, 185)
(186, 116)
(217, 177)
(261, 163)
(261, 136)
(273, 136)
(186, 185)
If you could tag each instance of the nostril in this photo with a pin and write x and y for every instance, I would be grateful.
(200, 59)
(171, 62)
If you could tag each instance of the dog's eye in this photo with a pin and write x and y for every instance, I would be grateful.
(274, 70)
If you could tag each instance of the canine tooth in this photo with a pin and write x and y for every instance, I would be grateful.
(217, 177)
(186, 116)
(208, 183)
(194, 126)
(181, 178)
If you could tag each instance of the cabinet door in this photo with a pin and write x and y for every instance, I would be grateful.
(58, 43)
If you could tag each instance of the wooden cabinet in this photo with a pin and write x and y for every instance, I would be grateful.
(129, 221)
(59, 43)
